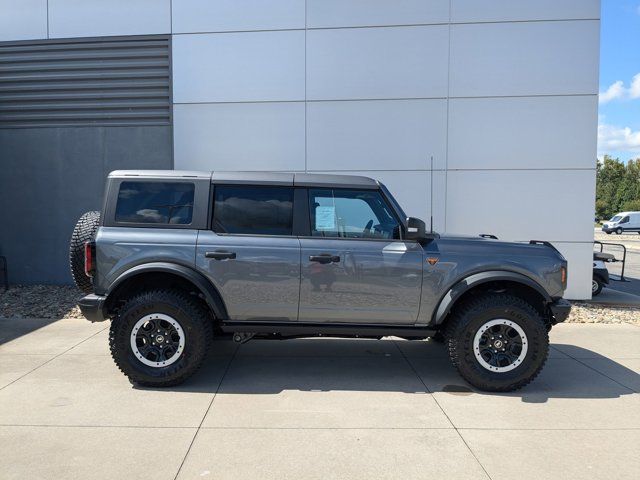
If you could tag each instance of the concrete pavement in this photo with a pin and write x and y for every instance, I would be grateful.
(317, 408)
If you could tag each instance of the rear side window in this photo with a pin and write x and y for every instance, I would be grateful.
(253, 210)
(169, 203)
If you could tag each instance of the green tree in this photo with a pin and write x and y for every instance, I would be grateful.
(617, 186)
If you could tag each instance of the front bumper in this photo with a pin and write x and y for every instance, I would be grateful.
(91, 307)
(559, 310)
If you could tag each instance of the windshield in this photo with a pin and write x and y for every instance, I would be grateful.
(616, 218)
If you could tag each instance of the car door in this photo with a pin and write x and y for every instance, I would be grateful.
(250, 254)
(355, 266)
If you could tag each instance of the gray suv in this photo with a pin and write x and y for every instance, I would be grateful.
(176, 258)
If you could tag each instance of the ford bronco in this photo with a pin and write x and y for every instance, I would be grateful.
(175, 258)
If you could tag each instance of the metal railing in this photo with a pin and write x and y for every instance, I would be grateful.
(624, 255)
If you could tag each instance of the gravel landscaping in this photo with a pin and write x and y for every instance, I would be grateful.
(40, 301)
(50, 301)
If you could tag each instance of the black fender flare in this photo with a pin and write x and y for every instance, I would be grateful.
(449, 299)
(210, 293)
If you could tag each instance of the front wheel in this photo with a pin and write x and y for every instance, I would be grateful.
(618, 231)
(497, 343)
(160, 338)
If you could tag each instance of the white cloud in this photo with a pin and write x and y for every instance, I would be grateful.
(618, 91)
(634, 90)
(612, 138)
(615, 90)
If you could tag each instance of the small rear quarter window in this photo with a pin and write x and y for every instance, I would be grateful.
(169, 203)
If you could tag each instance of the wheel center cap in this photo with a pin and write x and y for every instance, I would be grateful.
(498, 344)
(159, 339)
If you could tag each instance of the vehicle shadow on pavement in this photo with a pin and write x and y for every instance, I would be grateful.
(12, 328)
(323, 365)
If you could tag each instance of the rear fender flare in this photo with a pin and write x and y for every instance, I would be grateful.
(211, 295)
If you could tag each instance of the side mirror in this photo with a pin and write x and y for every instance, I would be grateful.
(416, 229)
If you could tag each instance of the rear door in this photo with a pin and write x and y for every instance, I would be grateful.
(250, 253)
(355, 266)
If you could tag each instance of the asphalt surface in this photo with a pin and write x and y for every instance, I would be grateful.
(315, 409)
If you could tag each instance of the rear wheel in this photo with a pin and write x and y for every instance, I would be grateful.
(160, 338)
(497, 342)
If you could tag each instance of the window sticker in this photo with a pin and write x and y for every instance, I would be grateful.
(326, 218)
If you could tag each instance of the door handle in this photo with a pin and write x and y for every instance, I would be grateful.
(324, 258)
(220, 255)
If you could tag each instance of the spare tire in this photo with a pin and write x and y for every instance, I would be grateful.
(84, 231)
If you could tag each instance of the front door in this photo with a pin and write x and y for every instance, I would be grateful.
(250, 254)
(355, 267)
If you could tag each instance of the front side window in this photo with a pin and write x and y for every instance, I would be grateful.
(168, 203)
(625, 220)
(253, 210)
(338, 213)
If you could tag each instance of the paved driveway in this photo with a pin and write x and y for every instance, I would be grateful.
(320, 408)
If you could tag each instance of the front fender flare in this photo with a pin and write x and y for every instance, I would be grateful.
(211, 294)
(449, 299)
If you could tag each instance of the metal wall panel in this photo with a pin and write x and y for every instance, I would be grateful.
(523, 10)
(524, 58)
(377, 63)
(91, 18)
(25, 21)
(368, 13)
(199, 16)
(85, 82)
(239, 67)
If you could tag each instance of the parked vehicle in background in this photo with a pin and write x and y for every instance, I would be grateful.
(600, 273)
(623, 222)
(179, 257)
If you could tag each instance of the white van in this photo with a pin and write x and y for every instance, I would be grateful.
(623, 222)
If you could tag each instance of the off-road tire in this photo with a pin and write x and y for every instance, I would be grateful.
(438, 337)
(195, 320)
(469, 317)
(84, 231)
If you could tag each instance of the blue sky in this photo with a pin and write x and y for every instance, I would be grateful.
(619, 114)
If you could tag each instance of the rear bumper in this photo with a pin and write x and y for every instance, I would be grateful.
(559, 310)
(91, 307)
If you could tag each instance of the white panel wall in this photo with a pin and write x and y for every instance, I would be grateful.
(238, 67)
(376, 135)
(370, 63)
(360, 13)
(91, 18)
(522, 205)
(190, 16)
(503, 94)
(580, 270)
(522, 132)
(523, 10)
(24, 20)
(524, 58)
(240, 136)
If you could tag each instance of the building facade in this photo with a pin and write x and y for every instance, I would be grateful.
(483, 113)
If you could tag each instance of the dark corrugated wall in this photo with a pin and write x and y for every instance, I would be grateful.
(70, 112)
(105, 82)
